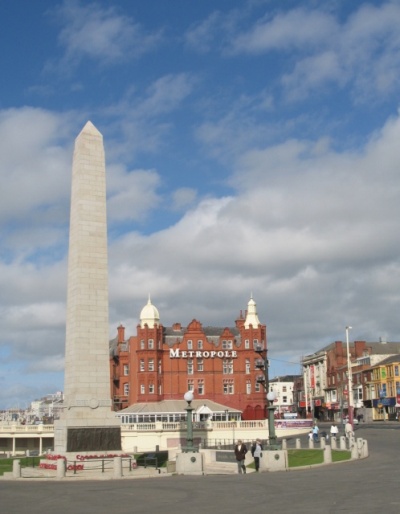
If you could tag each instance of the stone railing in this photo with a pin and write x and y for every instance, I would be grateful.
(28, 429)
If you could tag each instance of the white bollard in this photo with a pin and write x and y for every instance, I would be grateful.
(117, 467)
(60, 468)
(353, 449)
(327, 454)
(16, 469)
(298, 443)
(333, 443)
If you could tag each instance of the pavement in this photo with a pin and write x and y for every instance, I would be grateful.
(367, 486)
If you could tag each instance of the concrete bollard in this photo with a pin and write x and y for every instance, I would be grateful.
(117, 467)
(360, 448)
(343, 443)
(16, 469)
(365, 448)
(354, 450)
(333, 443)
(327, 454)
(284, 444)
(298, 443)
(311, 444)
(61, 468)
(323, 443)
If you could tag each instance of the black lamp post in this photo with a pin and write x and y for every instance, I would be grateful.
(188, 396)
(270, 396)
(262, 364)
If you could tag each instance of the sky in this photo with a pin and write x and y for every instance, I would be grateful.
(252, 148)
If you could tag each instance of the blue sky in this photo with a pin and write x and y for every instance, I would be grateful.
(252, 147)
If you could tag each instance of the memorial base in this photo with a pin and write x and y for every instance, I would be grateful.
(189, 463)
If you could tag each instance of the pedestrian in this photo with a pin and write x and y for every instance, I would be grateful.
(348, 429)
(334, 430)
(240, 454)
(315, 433)
(256, 451)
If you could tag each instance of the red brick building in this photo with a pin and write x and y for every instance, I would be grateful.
(218, 364)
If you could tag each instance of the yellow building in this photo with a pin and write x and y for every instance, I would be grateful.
(385, 388)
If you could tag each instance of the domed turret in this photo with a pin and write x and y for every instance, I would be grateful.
(149, 315)
(252, 316)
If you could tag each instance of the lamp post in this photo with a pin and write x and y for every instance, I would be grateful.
(381, 398)
(262, 364)
(271, 397)
(188, 396)
(350, 381)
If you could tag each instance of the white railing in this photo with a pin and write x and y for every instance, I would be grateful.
(29, 429)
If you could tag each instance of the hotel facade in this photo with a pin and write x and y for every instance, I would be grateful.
(219, 364)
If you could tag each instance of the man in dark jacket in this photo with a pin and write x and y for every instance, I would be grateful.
(240, 454)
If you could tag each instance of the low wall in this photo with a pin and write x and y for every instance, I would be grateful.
(145, 437)
(277, 460)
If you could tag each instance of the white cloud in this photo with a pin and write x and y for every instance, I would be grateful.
(140, 120)
(362, 51)
(183, 197)
(289, 30)
(132, 195)
(202, 36)
(101, 34)
(34, 162)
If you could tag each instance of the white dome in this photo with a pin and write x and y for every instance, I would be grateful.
(149, 315)
(252, 316)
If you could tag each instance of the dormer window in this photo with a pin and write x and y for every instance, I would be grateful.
(226, 345)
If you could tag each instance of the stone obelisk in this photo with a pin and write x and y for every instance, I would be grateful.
(87, 422)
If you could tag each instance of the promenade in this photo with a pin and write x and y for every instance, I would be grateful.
(366, 486)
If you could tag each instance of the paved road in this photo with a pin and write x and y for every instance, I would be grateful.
(369, 486)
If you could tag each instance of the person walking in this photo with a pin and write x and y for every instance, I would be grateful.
(240, 454)
(256, 451)
(334, 430)
(348, 430)
(315, 433)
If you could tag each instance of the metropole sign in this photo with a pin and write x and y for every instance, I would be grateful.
(190, 354)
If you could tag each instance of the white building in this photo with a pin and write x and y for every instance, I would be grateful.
(283, 388)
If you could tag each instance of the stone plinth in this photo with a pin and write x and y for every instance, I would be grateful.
(189, 463)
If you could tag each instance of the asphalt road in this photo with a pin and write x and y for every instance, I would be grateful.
(368, 486)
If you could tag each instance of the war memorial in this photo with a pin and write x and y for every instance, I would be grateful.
(88, 427)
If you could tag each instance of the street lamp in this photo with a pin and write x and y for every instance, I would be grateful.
(350, 381)
(262, 364)
(271, 397)
(188, 396)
